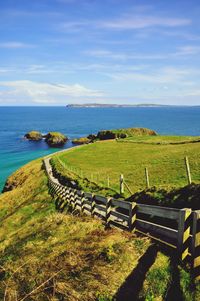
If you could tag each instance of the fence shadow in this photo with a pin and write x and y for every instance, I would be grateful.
(132, 286)
(174, 292)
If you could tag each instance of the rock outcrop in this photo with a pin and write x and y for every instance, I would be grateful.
(55, 139)
(83, 140)
(124, 133)
(33, 135)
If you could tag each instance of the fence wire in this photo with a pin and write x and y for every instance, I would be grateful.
(162, 174)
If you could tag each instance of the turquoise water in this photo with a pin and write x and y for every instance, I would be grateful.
(76, 122)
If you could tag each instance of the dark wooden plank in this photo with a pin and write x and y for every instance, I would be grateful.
(100, 207)
(88, 195)
(118, 225)
(121, 204)
(120, 215)
(100, 198)
(157, 229)
(164, 212)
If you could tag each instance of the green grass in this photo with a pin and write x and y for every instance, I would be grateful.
(165, 163)
(162, 139)
(66, 257)
(134, 132)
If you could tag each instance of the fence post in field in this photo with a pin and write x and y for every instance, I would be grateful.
(188, 170)
(196, 244)
(108, 183)
(121, 181)
(147, 177)
(75, 199)
(92, 205)
(71, 198)
(184, 227)
(108, 211)
(132, 216)
(82, 201)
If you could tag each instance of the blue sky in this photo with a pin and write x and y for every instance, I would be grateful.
(55, 52)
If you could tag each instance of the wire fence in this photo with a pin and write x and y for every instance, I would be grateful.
(165, 174)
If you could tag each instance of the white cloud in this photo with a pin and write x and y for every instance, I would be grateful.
(127, 22)
(46, 93)
(15, 45)
(163, 76)
(188, 50)
(5, 70)
(100, 53)
(139, 22)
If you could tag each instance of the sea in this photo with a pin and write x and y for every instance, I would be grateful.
(15, 122)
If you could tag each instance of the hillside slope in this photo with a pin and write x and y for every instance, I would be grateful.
(165, 162)
(46, 255)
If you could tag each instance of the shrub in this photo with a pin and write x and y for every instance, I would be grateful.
(105, 135)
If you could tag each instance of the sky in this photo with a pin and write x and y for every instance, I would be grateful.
(58, 52)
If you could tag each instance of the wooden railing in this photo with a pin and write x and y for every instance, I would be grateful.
(177, 228)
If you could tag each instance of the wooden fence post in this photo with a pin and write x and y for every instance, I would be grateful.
(108, 211)
(121, 181)
(71, 197)
(52, 190)
(184, 227)
(75, 199)
(93, 205)
(108, 183)
(196, 244)
(147, 177)
(188, 170)
(82, 201)
(67, 194)
(132, 216)
(62, 190)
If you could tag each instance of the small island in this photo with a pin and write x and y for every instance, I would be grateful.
(33, 136)
(53, 139)
(104, 105)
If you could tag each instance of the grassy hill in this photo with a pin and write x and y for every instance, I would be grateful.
(163, 156)
(46, 255)
(158, 139)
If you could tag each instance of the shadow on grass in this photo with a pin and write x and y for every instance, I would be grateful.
(62, 205)
(132, 286)
(184, 197)
(174, 291)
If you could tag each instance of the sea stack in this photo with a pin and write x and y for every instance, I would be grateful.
(55, 139)
(33, 136)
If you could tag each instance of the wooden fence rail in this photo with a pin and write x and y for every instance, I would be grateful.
(177, 228)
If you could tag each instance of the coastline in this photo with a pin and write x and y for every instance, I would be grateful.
(79, 122)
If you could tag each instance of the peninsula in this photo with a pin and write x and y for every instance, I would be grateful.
(103, 105)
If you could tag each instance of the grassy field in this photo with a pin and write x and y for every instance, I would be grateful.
(165, 162)
(162, 139)
(49, 256)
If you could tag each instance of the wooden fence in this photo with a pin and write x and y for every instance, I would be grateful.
(177, 228)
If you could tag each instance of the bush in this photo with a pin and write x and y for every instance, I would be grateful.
(122, 135)
(105, 135)
(92, 137)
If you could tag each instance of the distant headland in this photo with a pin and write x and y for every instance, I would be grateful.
(103, 105)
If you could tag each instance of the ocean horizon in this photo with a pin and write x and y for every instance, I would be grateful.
(15, 122)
